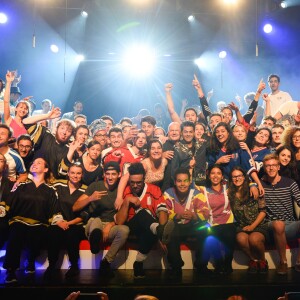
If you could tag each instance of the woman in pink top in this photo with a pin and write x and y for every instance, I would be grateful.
(21, 110)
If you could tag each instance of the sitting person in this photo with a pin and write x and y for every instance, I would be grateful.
(188, 209)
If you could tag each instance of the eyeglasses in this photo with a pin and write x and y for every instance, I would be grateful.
(25, 147)
(100, 135)
(271, 166)
(296, 137)
(237, 177)
(2, 160)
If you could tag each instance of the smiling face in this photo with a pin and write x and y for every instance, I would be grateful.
(222, 134)
(285, 157)
(296, 139)
(155, 151)
(240, 133)
(116, 139)
(174, 132)
(141, 140)
(111, 178)
(199, 131)
(75, 174)
(188, 134)
(271, 167)
(182, 183)
(24, 147)
(238, 178)
(136, 183)
(38, 166)
(22, 110)
(215, 176)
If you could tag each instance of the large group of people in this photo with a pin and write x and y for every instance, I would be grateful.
(220, 179)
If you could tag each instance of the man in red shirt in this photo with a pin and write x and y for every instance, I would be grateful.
(144, 211)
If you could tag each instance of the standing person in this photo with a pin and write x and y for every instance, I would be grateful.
(249, 214)
(189, 211)
(222, 231)
(33, 206)
(46, 107)
(144, 211)
(5, 187)
(71, 231)
(225, 150)
(21, 111)
(52, 148)
(98, 202)
(280, 194)
(277, 97)
(77, 109)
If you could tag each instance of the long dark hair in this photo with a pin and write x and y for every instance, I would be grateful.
(232, 143)
(232, 189)
(290, 170)
(208, 182)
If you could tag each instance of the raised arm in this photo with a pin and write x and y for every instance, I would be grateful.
(10, 76)
(203, 101)
(52, 114)
(170, 104)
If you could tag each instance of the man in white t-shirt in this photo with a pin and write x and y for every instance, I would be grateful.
(277, 97)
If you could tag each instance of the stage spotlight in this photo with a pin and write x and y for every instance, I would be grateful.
(80, 57)
(139, 60)
(191, 18)
(54, 48)
(230, 1)
(199, 62)
(268, 28)
(222, 54)
(84, 13)
(3, 18)
(283, 4)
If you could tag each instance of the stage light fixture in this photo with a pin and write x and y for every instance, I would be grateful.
(54, 48)
(222, 54)
(3, 18)
(84, 13)
(283, 4)
(139, 60)
(80, 57)
(230, 1)
(268, 28)
(199, 62)
(191, 18)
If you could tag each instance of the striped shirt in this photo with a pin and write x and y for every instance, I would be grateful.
(280, 199)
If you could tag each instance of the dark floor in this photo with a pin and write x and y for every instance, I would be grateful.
(124, 286)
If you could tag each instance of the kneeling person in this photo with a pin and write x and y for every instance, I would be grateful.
(98, 202)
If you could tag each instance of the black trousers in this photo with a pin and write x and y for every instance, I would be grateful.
(140, 226)
(182, 233)
(59, 239)
(20, 237)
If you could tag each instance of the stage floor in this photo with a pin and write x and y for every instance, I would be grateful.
(124, 286)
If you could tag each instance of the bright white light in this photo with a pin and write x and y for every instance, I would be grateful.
(199, 62)
(139, 60)
(84, 14)
(80, 57)
(222, 54)
(283, 4)
(3, 18)
(268, 28)
(191, 18)
(54, 48)
(230, 1)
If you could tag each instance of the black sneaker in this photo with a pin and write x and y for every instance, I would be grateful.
(95, 239)
(30, 268)
(10, 277)
(138, 269)
(72, 272)
(105, 268)
(263, 266)
(164, 232)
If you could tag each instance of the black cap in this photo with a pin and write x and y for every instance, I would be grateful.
(112, 165)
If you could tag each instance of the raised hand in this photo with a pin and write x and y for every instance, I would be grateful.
(261, 86)
(10, 76)
(168, 87)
